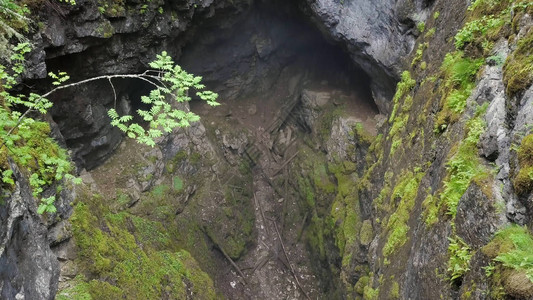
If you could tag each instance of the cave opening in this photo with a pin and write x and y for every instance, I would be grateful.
(269, 57)
(272, 69)
(263, 63)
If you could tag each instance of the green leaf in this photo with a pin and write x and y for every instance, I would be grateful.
(112, 113)
(41, 209)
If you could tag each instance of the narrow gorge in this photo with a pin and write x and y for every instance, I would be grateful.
(359, 150)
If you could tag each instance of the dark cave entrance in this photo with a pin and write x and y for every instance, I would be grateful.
(266, 58)
(263, 65)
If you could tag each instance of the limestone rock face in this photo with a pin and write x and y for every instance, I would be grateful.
(91, 39)
(28, 267)
(377, 34)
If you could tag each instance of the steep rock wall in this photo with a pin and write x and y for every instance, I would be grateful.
(377, 34)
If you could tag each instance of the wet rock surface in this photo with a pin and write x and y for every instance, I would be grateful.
(377, 34)
(277, 194)
(28, 267)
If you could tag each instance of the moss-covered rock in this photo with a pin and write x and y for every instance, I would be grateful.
(130, 257)
(518, 68)
(523, 181)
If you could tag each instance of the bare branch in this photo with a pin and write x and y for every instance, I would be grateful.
(114, 92)
(134, 76)
(108, 77)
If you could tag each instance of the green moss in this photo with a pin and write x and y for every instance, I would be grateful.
(78, 289)
(458, 73)
(361, 284)
(379, 202)
(394, 291)
(326, 120)
(132, 257)
(518, 68)
(370, 293)
(177, 183)
(360, 134)
(467, 294)
(402, 88)
(418, 54)
(102, 290)
(464, 166)
(525, 151)
(105, 30)
(421, 26)
(430, 33)
(523, 181)
(406, 191)
(513, 247)
(367, 233)
(321, 179)
(431, 210)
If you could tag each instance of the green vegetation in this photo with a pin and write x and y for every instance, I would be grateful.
(25, 140)
(419, 53)
(518, 68)
(431, 210)
(13, 22)
(366, 234)
(430, 33)
(394, 291)
(132, 257)
(170, 80)
(403, 87)
(421, 27)
(511, 272)
(478, 29)
(370, 293)
(399, 118)
(464, 166)
(459, 262)
(491, 19)
(406, 191)
(523, 181)
(458, 73)
(519, 256)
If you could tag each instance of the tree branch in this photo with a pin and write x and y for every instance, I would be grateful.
(108, 77)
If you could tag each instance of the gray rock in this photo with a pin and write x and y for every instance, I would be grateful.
(312, 101)
(59, 232)
(342, 139)
(28, 267)
(494, 143)
(373, 34)
(524, 117)
(479, 215)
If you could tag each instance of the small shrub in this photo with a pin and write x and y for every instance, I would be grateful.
(464, 165)
(459, 262)
(513, 247)
(477, 29)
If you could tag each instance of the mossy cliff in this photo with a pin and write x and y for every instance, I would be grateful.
(429, 212)
(433, 202)
(441, 162)
(121, 255)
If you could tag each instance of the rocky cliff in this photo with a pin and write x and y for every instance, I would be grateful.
(363, 149)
